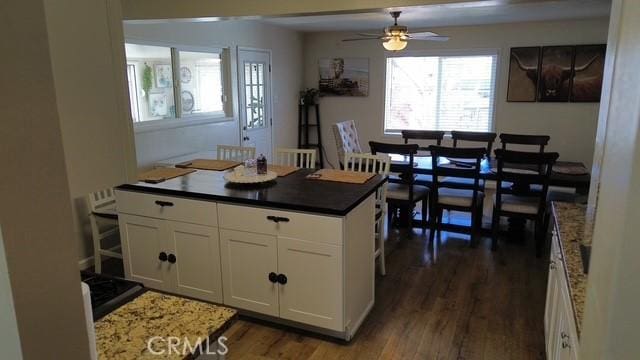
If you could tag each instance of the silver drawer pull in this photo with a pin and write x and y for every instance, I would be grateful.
(277, 219)
(163, 203)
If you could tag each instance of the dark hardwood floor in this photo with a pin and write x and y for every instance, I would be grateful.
(453, 302)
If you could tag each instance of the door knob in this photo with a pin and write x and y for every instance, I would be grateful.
(273, 277)
(282, 279)
(162, 256)
(172, 258)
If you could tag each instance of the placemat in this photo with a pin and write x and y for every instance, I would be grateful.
(351, 177)
(570, 169)
(208, 164)
(161, 174)
(282, 170)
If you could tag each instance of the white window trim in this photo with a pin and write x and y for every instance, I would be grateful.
(441, 52)
(191, 119)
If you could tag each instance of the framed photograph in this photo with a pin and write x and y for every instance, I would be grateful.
(163, 75)
(158, 105)
(588, 68)
(187, 101)
(185, 74)
(344, 77)
(556, 66)
(524, 65)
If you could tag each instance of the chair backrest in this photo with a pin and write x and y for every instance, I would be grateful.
(539, 166)
(405, 167)
(377, 164)
(476, 137)
(235, 153)
(302, 158)
(423, 135)
(101, 199)
(469, 167)
(346, 136)
(517, 139)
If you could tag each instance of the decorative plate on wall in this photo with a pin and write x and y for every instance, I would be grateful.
(187, 101)
(185, 74)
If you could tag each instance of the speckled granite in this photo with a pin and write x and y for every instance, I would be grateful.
(123, 334)
(570, 221)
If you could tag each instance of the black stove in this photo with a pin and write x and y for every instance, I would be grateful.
(109, 292)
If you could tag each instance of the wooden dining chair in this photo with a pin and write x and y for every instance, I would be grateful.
(453, 195)
(531, 205)
(407, 193)
(475, 137)
(235, 153)
(517, 139)
(377, 164)
(103, 220)
(302, 158)
(346, 136)
(428, 135)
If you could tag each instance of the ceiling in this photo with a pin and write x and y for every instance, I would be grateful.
(475, 13)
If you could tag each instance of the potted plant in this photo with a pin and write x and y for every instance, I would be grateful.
(309, 96)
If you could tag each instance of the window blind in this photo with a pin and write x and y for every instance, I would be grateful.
(440, 93)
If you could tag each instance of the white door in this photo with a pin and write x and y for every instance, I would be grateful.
(195, 267)
(248, 259)
(144, 250)
(254, 75)
(312, 293)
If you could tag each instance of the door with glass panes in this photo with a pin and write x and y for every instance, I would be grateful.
(254, 68)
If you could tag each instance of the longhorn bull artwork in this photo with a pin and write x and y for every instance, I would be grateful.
(564, 73)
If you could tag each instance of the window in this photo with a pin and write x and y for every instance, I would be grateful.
(440, 93)
(154, 95)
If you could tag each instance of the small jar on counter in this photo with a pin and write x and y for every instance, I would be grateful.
(261, 164)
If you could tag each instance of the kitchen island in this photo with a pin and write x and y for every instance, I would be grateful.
(298, 251)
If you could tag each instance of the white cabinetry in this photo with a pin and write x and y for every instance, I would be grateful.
(165, 250)
(560, 329)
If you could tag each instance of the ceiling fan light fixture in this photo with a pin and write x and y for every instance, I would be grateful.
(395, 43)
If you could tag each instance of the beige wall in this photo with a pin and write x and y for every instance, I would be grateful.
(35, 211)
(286, 47)
(572, 126)
(97, 140)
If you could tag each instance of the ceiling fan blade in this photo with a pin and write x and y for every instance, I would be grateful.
(422, 34)
(369, 34)
(360, 39)
(432, 38)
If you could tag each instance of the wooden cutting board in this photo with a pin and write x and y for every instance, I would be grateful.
(208, 164)
(282, 170)
(351, 177)
(161, 174)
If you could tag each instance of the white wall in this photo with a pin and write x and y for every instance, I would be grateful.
(572, 126)
(286, 46)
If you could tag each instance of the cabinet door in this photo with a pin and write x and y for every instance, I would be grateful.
(313, 292)
(196, 271)
(551, 305)
(247, 259)
(142, 243)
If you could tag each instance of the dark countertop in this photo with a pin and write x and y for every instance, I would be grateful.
(292, 192)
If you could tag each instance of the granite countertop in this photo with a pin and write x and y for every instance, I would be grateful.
(570, 221)
(124, 333)
(291, 192)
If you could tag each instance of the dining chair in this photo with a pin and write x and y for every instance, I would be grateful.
(302, 158)
(527, 205)
(407, 193)
(377, 164)
(475, 137)
(103, 219)
(517, 139)
(235, 153)
(433, 135)
(452, 195)
(346, 136)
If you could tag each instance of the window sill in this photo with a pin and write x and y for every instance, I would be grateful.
(158, 125)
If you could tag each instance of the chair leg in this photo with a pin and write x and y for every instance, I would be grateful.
(538, 236)
(410, 217)
(95, 233)
(425, 208)
(433, 215)
(495, 229)
(474, 228)
(383, 267)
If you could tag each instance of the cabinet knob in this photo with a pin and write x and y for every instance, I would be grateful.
(273, 277)
(277, 219)
(282, 279)
(162, 256)
(564, 335)
(172, 258)
(552, 264)
(565, 345)
(163, 203)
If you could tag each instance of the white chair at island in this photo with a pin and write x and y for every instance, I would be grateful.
(104, 224)
(378, 164)
(302, 158)
(235, 153)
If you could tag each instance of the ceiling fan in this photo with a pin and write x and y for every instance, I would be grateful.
(395, 37)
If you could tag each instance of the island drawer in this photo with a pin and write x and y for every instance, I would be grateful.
(167, 207)
(310, 227)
